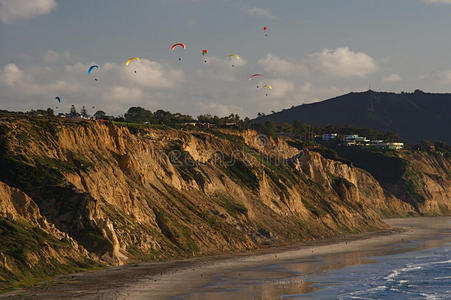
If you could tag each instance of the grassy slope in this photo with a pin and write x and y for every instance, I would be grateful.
(24, 248)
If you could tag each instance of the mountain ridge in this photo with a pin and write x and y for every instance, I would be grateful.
(415, 116)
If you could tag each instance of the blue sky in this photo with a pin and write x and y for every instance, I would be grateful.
(315, 50)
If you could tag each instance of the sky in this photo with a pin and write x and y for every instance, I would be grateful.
(314, 50)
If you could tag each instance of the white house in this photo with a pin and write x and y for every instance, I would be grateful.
(329, 136)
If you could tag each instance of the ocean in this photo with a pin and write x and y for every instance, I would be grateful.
(415, 269)
(422, 274)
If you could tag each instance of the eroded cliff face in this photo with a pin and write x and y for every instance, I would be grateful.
(119, 195)
(352, 184)
(426, 182)
(31, 248)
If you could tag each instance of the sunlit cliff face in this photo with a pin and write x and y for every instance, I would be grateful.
(117, 195)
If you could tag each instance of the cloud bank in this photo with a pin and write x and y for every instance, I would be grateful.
(260, 12)
(13, 10)
(343, 62)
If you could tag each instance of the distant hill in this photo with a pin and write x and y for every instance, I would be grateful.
(415, 116)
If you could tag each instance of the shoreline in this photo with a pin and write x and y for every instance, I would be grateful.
(165, 279)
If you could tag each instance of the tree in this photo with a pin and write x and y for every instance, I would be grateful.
(83, 112)
(205, 118)
(139, 115)
(50, 112)
(73, 111)
(163, 117)
(100, 115)
(270, 128)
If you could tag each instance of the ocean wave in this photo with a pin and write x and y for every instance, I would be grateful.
(395, 273)
(443, 277)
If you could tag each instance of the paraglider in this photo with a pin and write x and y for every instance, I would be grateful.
(173, 47)
(204, 54)
(232, 58)
(132, 59)
(256, 75)
(58, 99)
(268, 88)
(91, 69)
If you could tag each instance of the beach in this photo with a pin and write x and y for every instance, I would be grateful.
(260, 275)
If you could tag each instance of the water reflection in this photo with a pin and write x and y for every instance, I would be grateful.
(291, 277)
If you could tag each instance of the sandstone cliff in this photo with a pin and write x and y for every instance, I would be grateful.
(115, 195)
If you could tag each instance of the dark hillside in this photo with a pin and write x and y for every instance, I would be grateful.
(415, 116)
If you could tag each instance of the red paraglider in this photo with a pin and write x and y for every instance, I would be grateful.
(173, 47)
(204, 54)
(255, 75)
(178, 45)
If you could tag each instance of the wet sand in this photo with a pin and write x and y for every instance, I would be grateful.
(198, 278)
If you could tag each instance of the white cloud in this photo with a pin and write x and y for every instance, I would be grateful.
(152, 74)
(343, 63)
(220, 69)
(443, 77)
(260, 12)
(123, 93)
(215, 87)
(11, 75)
(116, 87)
(280, 88)
(393, 78)
(52, 56)
(274, 64)
(34, 81)
(12, 10)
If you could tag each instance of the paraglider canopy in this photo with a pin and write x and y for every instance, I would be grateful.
(256, 75)
(131, 59)
(92, 68)
(173, 47)
(268, 87)
(178, 45)
(204, 54)
(58, 99)
(236, 56)
(233, 56)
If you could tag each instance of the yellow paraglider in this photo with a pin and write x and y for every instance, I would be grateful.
(268, 88)
(132, 59)
(231, 57)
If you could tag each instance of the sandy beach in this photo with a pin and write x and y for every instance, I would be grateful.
(185, 277)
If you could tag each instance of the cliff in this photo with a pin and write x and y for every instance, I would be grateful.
(420, 179)
(89, 193)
